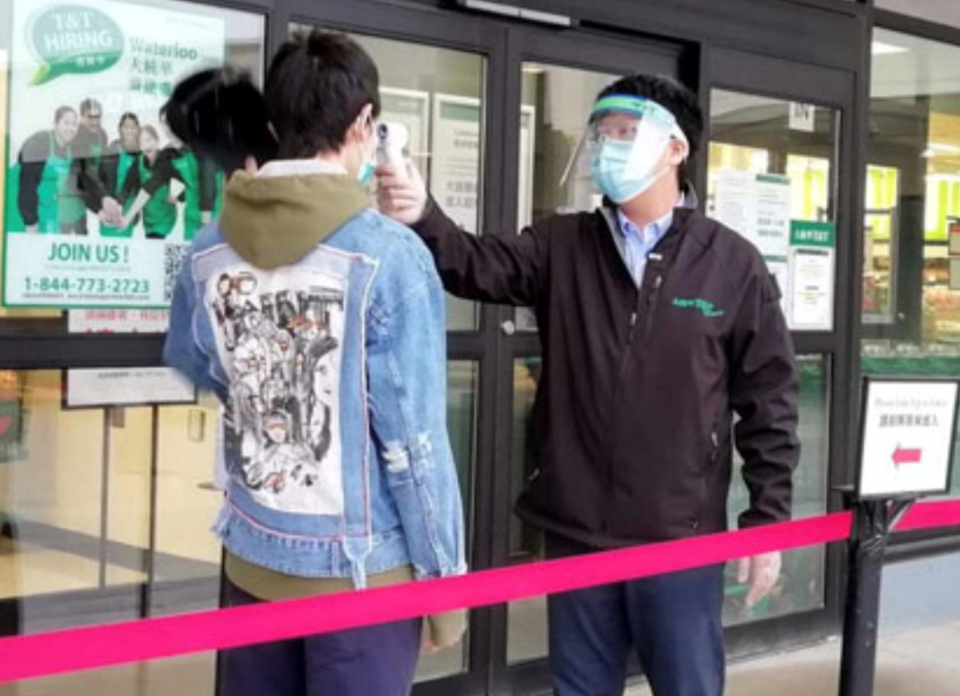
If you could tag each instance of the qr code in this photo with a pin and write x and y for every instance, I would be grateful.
(172, 260)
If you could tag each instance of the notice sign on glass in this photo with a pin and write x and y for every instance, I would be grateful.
(101, 200)
(96, 388)
(758, 207)
(811, 275)
(908, 437)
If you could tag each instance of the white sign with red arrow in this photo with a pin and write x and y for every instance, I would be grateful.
(908, 435)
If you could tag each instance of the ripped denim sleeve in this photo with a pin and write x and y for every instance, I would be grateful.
(406, 365)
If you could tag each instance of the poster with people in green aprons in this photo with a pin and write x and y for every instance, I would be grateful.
(118, 160)
(101, 200)
(48, 197)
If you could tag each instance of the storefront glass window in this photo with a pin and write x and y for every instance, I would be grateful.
(911, 281)
(99, 500)
(940, 11)
(98, 200)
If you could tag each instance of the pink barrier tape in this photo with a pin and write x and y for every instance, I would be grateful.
(56, 652)
(931, 515)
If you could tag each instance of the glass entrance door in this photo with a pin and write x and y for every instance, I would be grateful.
(778, 170)
(553, 83)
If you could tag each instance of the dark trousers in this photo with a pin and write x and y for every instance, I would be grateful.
(673, 622)
(374, 661)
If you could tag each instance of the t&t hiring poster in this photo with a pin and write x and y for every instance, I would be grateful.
(102, 200)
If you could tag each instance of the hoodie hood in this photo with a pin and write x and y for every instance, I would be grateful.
(274, 221)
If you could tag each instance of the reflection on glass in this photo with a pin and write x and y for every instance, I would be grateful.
(555, 105)
(771, 166)
(129, 482)
(84, 152)
(437, 93)
(911, 284)
(801, 587)
(186, 554)
(84, 505)
(51, 485)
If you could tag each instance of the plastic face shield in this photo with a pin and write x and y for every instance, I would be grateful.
(646, 125)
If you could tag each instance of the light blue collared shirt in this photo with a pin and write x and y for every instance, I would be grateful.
(639, 243)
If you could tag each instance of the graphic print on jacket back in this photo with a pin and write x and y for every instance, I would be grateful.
(280, 335)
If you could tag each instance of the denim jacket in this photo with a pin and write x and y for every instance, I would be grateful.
(332, 371)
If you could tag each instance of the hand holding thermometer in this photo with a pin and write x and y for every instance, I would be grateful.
(392, 139)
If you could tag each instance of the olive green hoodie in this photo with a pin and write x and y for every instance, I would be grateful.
(274, 221)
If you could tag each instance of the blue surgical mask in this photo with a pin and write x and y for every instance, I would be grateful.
(614, 172)
(369, 166)
(365, 175)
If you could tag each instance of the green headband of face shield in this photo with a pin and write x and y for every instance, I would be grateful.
(652, 113)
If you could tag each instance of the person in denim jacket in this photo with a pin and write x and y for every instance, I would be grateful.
(319, 323)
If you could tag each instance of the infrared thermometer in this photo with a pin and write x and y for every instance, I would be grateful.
(392, 139)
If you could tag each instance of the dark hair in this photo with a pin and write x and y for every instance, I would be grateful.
(86, 106)
(316, 87)
(671, 95)
(63, 111)
(128, 116)
(221, 115)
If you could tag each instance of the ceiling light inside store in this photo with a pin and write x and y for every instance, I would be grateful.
(881, 48)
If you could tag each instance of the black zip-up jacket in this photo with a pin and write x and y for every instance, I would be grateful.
(633, 418)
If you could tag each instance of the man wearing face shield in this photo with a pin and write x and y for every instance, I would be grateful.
(319, 323)
(660, 327)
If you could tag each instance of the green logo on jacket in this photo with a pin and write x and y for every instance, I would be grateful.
(706, 308)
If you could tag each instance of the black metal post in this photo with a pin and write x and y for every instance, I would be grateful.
(11, 610)
(150, 556)
(874, 519)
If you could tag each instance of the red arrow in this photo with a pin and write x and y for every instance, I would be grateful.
(906, 456)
